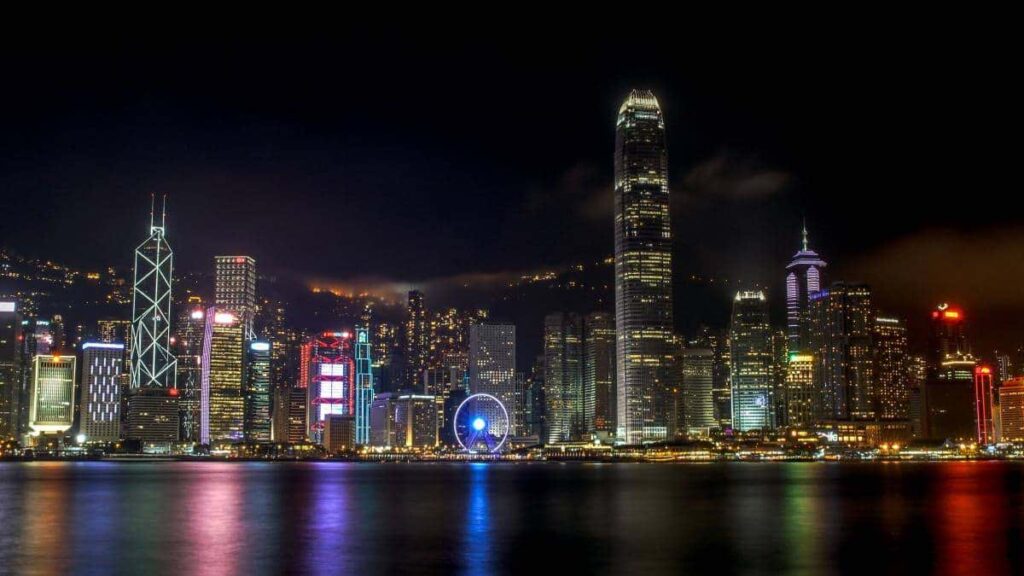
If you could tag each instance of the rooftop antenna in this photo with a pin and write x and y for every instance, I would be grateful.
(163, 218)
(805, 234)
(152, 206)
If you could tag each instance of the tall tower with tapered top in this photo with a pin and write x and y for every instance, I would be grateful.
(153, 365)
(643, 271)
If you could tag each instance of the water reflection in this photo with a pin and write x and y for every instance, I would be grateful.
(326, 518)
(477, 554)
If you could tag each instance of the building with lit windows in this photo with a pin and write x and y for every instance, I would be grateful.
(948, 398)
(563, 376)
(492, 363)
(51, 408)
(643, 271)
(339, 433)
(751, 357)
(235, 288)
(329, 369)
(698, 387)
(1011, 410)
(891, 372)
(599, 373)
(364, 385)
(221, 400)
(153, 417)
(842, 323)
(983, 391)
(804, 276)
(188, 349)
(417, 339)
(382, 419)
(415, 421)
(100, 408)
(256, 424)
(10, 369)
(802, 396)
(289, 415)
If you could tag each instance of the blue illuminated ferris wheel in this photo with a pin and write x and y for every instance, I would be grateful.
(481, 424)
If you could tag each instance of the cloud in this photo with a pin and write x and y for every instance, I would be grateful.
(983, 269)
(736, 177)
(583, 190)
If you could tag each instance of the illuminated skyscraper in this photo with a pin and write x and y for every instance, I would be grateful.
(842, 322)
(1011, 410)
(751, 357)
(983, 390)
(698, 382)
(892, 372)
(643, 270)
(53, 394)
(492, 364)
(256, 424)
(222, 406)
(802, 397)
(364, 385)
(188, 349)
(948, 400)
(152, 364)
(417, 340)
(599, 373)
(382, 419)
(10, 369)
(416, 421)
(100, 412)
(563, 376)
(235, 288)
(804, 276)
(330, 371)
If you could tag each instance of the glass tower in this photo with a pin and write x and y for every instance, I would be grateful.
(643, 270)
(751, 357)
(364, 385)
(152, 363)
(803, 278)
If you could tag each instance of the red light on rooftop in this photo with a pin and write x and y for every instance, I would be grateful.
(172, 391)
(982, 370)
(951, 315)
(239, 260)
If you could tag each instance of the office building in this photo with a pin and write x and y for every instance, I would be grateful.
(10, 369)
(643, 271)
(153, 417)
(235, 288)
(256, 424)
(221, 400)
(802, 396)
(698, 367)
(599, 373)
(415, 421)
(100, 408)
(842, 323)
(563, 377)
(364, 385)
(751, 358)
(382, 419)
(51, 410)
(152, 363)
(1011, 410)
(492, 364)
(948, 398)
(891, 370)
(339, 433)
(804, 276)
(329, 369)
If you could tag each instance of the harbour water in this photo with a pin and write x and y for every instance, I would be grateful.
(355, 518)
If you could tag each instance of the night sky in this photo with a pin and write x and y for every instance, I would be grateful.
(398, 153)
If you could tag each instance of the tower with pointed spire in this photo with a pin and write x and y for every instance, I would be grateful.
(643, 272)
(152, 364)
(804, 276)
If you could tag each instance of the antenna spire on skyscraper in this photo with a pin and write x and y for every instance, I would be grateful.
(152, 209)
(163, 214)
(805, 234)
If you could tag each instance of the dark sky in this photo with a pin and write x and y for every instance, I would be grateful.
(416, 151)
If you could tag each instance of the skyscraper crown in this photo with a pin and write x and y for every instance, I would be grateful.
(640, 99)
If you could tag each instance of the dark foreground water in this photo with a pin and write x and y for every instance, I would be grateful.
(265, 518)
